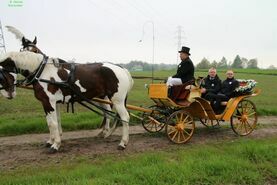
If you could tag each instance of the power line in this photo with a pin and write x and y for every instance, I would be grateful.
(180, 42)
(113, 15)
(2, 41)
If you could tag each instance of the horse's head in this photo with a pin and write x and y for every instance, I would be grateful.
(28, 45)
(12, 63)
(7, 78)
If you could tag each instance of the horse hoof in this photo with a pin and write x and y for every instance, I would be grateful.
(52, 150)
(47, 145)
(100, 134)
(119, 147)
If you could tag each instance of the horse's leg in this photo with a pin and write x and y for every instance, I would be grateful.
(50, 142)
(105, 124)
(124, 116)
(106, 130)
(58, 111)
(52, 122)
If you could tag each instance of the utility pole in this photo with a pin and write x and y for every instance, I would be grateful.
(180, 36)
(2, 41)
(153, 44)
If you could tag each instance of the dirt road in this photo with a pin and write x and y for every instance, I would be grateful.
(24, 149)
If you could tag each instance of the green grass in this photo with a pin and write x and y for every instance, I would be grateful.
(242, 161)
(24, 114)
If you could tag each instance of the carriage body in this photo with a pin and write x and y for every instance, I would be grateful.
(178, 117)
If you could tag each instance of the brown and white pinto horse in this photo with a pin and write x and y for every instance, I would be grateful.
(28, 45)
(90, 80)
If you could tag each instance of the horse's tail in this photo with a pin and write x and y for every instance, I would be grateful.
(131, 81)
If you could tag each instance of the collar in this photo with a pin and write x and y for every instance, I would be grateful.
(33, 77)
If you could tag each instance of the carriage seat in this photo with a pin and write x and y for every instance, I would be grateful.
(180, 93)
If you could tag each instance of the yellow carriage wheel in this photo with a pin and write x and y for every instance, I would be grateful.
(180, 127)
(153, 122)
(244, 118)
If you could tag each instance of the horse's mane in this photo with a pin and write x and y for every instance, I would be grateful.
(16, 32)
(24, 60)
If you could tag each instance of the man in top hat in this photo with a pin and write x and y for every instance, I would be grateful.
(185, 70)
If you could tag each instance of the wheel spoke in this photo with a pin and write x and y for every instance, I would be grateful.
(186, 132)
(156, 127)
(236, 116)
(152, 125)
(181, 117)
(251, 114)
(177, 119)
(188, 125)
(245, 107)
(176, 132)
(179, 136)
(245, 128)
(183, 120)
(249, 125)
(252, 120)
(240, 126)
(182, 133)
(186, 118)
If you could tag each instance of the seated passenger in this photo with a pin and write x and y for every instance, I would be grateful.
(185, 71)
(210, 86)
(227, 91)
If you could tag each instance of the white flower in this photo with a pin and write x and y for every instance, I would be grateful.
(250, 84)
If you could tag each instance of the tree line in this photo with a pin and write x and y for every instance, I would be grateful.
(137, 65)
(238, 63)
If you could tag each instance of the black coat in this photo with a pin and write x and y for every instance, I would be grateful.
(185, 71)
(228, 87)
(212, 85)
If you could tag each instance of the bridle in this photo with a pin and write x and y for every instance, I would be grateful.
(36, 74)
(34, 49)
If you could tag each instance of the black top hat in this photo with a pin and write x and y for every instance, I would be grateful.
(185, 50)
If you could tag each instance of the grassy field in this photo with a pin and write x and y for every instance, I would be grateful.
(242, 161)
(24, 114)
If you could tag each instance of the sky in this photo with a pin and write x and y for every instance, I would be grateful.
(110, 30)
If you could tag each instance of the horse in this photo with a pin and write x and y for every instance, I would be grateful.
(28, 45)
(102, 80)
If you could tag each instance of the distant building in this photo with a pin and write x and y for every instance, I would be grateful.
(137, 68)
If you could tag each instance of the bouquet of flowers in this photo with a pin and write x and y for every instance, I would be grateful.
(246, 86)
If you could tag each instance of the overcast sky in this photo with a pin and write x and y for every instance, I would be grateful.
(109, 30)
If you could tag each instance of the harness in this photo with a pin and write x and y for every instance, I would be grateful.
(69, 84)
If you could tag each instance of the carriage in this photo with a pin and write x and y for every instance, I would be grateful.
(57, 81)
(176, 108)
